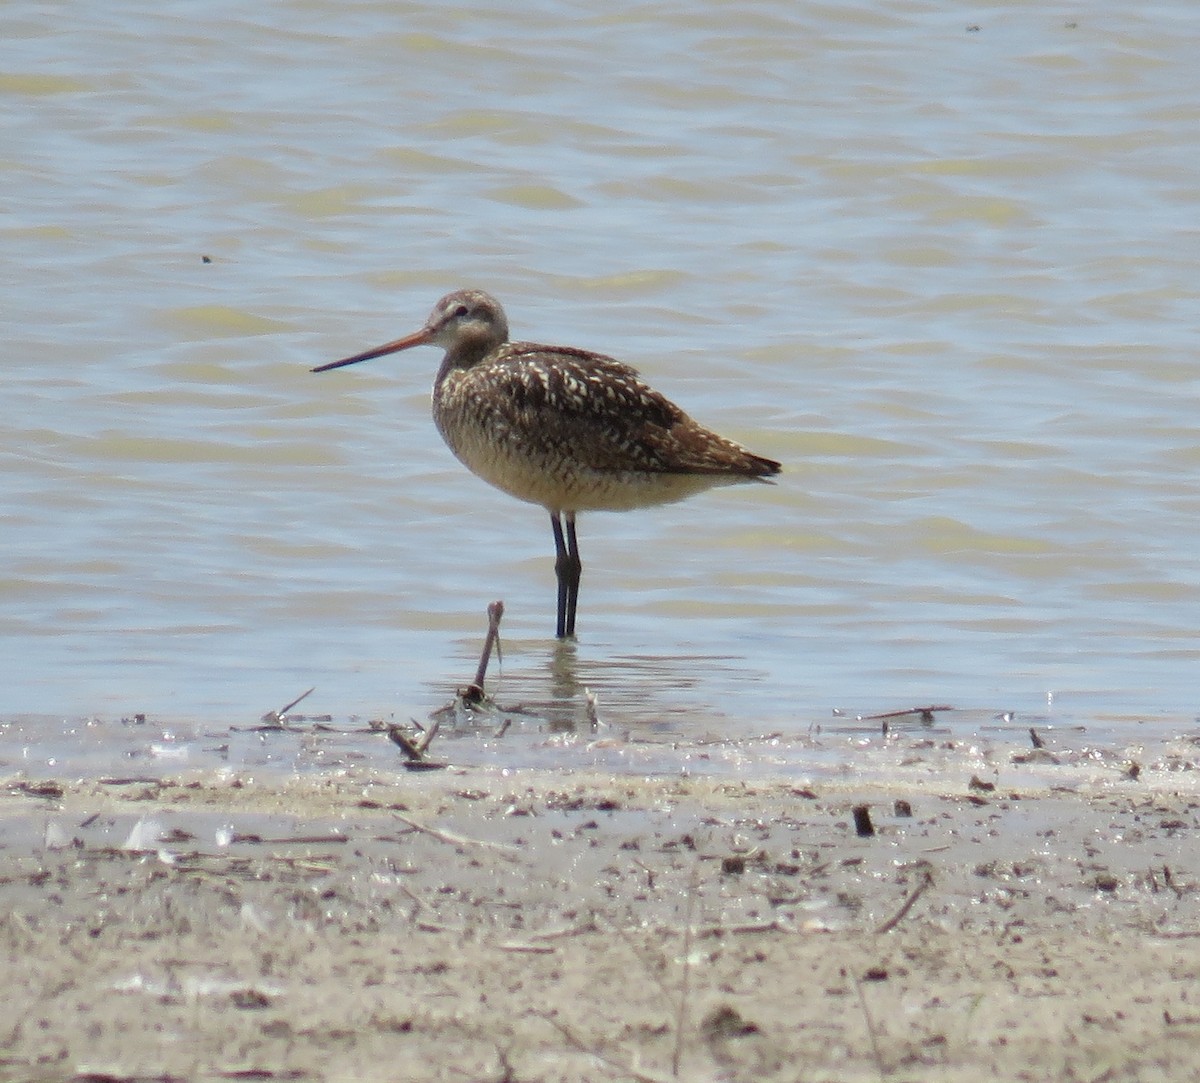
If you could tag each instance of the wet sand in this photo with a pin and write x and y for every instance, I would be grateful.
(486, 924)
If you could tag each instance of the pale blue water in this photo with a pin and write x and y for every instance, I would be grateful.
(947, 276)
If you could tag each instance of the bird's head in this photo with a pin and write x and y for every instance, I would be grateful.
(468, 323)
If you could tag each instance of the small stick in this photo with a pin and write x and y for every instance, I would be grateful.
(685, 985)
(434, 927)
(130, 780)
(588, 926)
(870, 1025)
(412, 749)
(913, 896)
(275, 718)
(926, 713)
(520, 948)
(1169, 880)
(459, 840)
(427, 736)
(640, 1074)
(473, 694)
(1037, 741)
(737, 928)
(642, 953)
(306, 840)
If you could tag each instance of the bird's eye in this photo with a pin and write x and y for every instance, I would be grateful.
(460, 312)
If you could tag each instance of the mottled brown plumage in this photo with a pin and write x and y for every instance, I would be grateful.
(562, 427)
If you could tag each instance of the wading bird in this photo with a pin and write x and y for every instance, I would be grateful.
(561, 427)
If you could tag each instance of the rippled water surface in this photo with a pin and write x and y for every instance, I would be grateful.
(943, 266)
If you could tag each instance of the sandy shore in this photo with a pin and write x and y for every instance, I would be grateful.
(484, 925)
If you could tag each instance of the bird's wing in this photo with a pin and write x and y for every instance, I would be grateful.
(601, 412)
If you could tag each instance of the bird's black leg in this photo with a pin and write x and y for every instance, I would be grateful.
(561, 560)
(567, 567)
(574, 573)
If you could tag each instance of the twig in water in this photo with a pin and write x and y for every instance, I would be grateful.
(926, 713)
(453, 839)
(276, 718)
(914, 895)
(473, 695)
(427, 736)
(415, 748)
(398, 737)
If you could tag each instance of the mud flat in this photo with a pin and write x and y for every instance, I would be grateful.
(487, 924)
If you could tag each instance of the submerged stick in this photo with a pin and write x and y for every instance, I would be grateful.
(914, 895)
(455, 839)
(926, 713)
(414, 750)
(473, 693)
(275, 718)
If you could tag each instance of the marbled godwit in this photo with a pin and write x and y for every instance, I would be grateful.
(564, 428)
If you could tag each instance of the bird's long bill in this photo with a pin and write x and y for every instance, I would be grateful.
(415, 339)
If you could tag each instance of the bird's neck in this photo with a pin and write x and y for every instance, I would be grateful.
(467, 352)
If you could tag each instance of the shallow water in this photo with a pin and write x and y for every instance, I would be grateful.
(944, 273)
